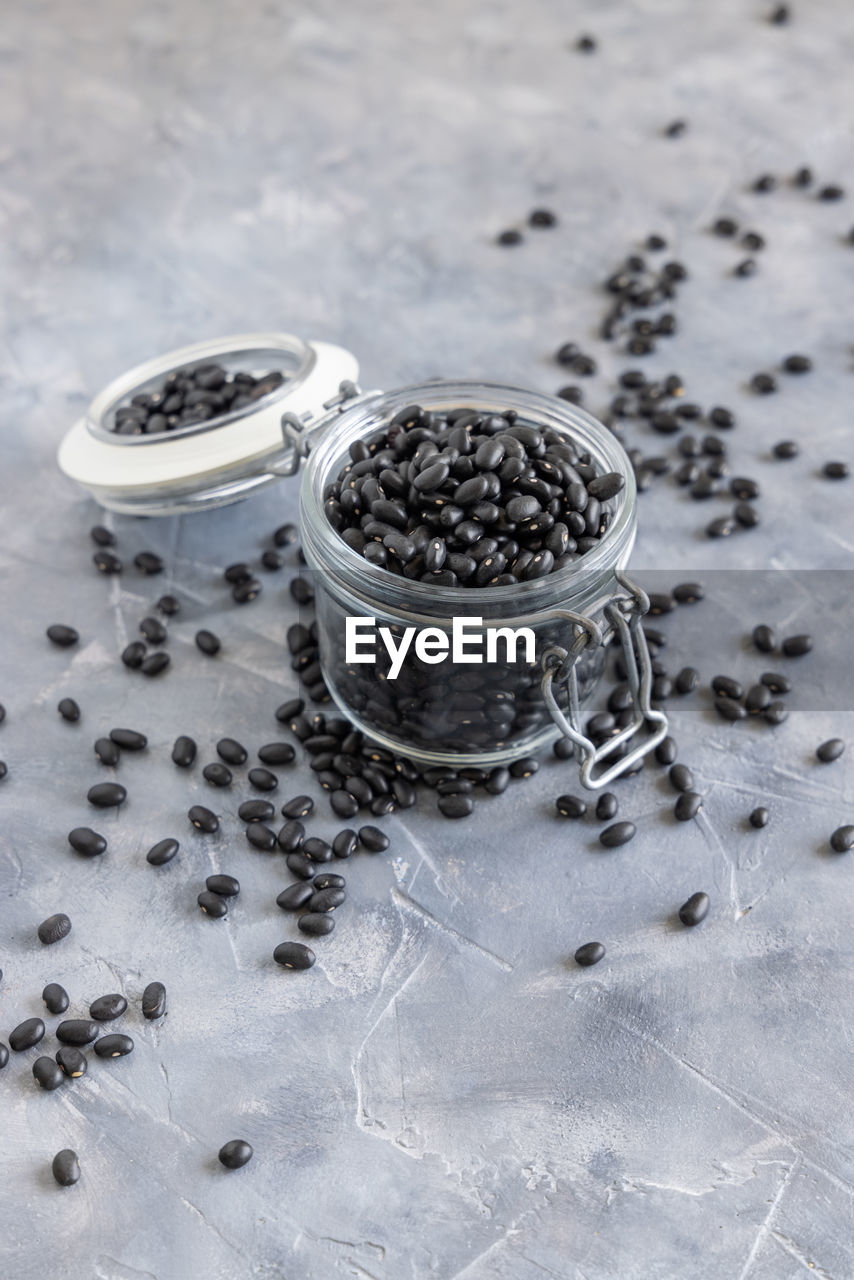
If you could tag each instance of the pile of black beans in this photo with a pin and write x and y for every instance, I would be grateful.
(188, 396)
(461, 498)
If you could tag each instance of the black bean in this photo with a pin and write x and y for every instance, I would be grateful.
(54, 929)
(681, 777)
(231, 751)
(327, 899)
(316, 849)
(344, 844)
(498, 780)
(295, 896)
(764, 638)
(727, 687)
(590, 953)
(106, 1008)
(687, 806)
(757, 699)
(68, 709)
(62, 636)
(300, 866)
(153, 630)
(48, 1073)
(747, 267)
(106, 795)
(261, 836)
(218, 775)
(148, 562)
(725, 227)
(27, 1035)
(301, 590)
(285, 535)
(729, 708)
(169, 606)
(235, 573)
(155, 663)
(114, 1046)
(133, 655)
(272, 560)
(154, 1001)
(128, 739)
(721, 527)
(212, 904)
(71, 1062)
(374, 840)
(687, 680)
(759, 817)
(836, 470)
(256, 811)
(77, 1031)
(797, 646)
(316, 924)
(277, 753)
(66, 1168)
(525, 768)
(344, 804)
(841, 841)
(101, 536)
(263, 779)
(87, 842)
(235, 1154)
(763, 383)
(203, 819)
(786, 449)
(456, 806)
(225, 886)
(208, 643)
(299, 807)
(107, 562)
(830, 750)
(606, 806)
(688, 592)
(107, 752)
(55, 998)
(695, 909)
(4, 1055)
(830, 192)
(606, 486)
(184, 752)
(665, 752)
(776, 713)
(797, 364)
(617, 834)
(570, 806)
(291, 836)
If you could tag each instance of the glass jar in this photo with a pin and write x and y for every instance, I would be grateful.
(464, 712)
(438, 710)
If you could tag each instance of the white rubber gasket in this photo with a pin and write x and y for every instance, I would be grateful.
(102, 466)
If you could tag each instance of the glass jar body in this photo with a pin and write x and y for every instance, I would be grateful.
(452, 676)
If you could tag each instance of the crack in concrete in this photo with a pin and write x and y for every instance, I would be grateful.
(794, 1250)
(765, 1226)
(407, 903)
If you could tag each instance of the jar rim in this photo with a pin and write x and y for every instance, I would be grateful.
(327, 551)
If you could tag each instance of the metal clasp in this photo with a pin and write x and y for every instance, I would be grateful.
(624, 614)
(297, 428)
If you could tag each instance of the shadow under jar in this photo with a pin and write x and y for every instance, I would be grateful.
(481, 713)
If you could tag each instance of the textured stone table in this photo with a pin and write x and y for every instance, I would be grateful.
(445, 1095)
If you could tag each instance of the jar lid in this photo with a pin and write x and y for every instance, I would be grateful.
(189, 465)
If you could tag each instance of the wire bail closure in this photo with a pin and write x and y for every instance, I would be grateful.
(624, 614)
(296, 430)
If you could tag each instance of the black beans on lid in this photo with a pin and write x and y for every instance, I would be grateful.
(191, 396)
(424, 497)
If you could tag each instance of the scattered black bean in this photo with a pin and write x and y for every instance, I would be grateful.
(301, 866)
(606, 806)
(87, 842)
(285, 535)
(4, 1055)
(681, 777)
(830, 750)
(115, 1045)
(183, 752)
(71, 1062)
(764, 638)
(133, 655)
(235, 1154)
(55, 998)
(277, 753)
(202, 819)
(77, 1031)
(54, 929)
(374, 840)
(590, 953)
(299, 807)
(291, 836)
(617, 834)
(101, 536)
(727, 687)
(47, 1073)
(256, 811)
(155, 663)
(106, 1008)
(841, 841)
(570, 806)
(694, 910)
(106, 795)
(212, 904)
(687, 680)
(797, 646)
(62, 636)
(263, 779)
(217, 774)
(316, 924)
(759, 817)
(148, 562)
(128, 739)
(687, 806)
(169, 606)
(107, 562)
(344, 844)
(836, 470)
(66, 1168)
(107, 752)
(27, 1035)
(208, 643)
(786, 449)
(776, 713)
(729, 709)
(154, 1001)
(162, 852)
(757, 699)
(68, 709)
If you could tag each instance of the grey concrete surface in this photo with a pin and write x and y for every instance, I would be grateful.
(445, 1095)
